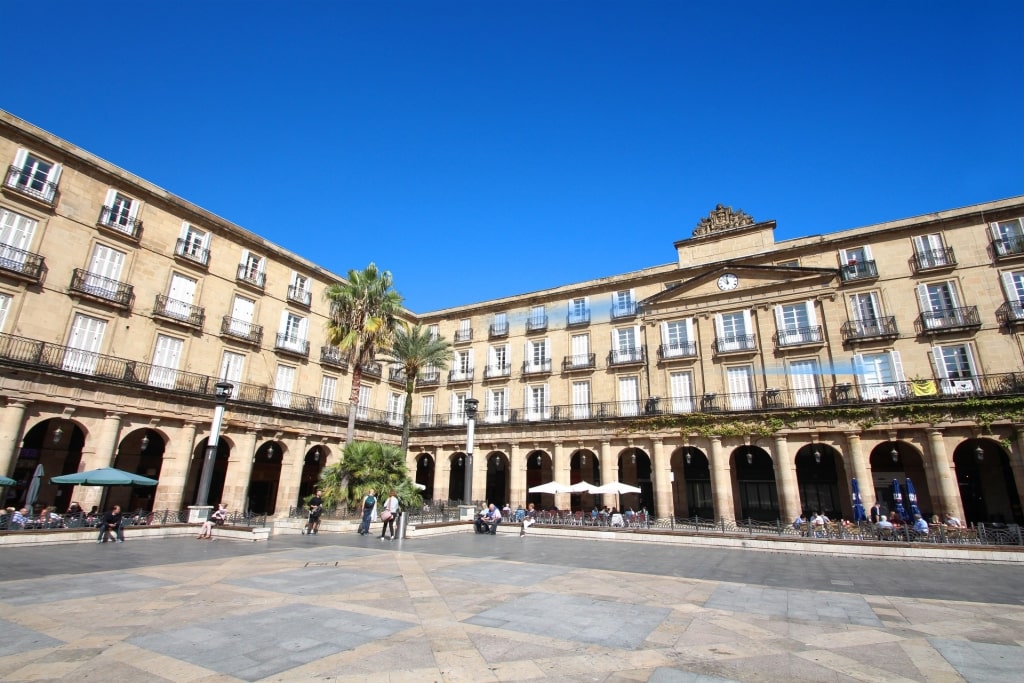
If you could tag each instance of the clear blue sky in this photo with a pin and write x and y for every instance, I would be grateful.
(485, 149)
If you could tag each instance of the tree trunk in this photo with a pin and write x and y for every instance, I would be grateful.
(410, 385)
(353, 402)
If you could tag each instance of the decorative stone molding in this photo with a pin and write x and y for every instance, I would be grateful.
(723, 218)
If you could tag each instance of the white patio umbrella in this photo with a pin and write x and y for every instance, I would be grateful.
(618, 488)
(582, 487)
(550, 487)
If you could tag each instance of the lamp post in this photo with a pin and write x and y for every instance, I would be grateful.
(471, 406)
(222, 392)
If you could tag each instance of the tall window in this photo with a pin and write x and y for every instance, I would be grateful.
(396, 404)
(299, 289)
(465, 331)
(580, 347)
(538, 320)
(119, 212)
(462, 366)
(677, 338)
(734, 331)
(537, 407)
(5, 305)
(629, 396)
(283, 382)
(195, 243)
(581, 400)
(930, 251)
(537, 356)
(179, 296)
(34, 176)
(433, 331)
(497, 405)
(740, 382)
(104, 271)
(457, 408)
(427, 410)
(579, 312)
(1007, 237)
(939, 304)
(84, 344)
(797, 323)
(293, 331)
(681, 387)
(16, 232)
(954, 364)
(363, 406)
(328, 389)
(624, 345)
(623, 303)
(231, 369)
(803, 380)
(880, 375)
(166, 356)
(497, 360)
(1013, 283)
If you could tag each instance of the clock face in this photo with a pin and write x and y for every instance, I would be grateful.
(727, 282)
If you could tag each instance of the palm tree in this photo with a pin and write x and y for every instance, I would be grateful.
(364, 315)
(365, 465)
(415, 350)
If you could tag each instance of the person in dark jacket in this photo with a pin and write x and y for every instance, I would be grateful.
(111, 523)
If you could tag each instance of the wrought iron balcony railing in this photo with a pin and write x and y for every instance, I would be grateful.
(626, 356)
(192, 251)
(933, 259)
(1011, 313)
(396, 375)
(858, 270)
(872, 328)
(497, 330)
(101, 288)
(332, 355)
(537, 367)
(120, 223)
(463, 335)
(583, 361)
(800, 336)
(497, 370)
(32, 185)
(428, 377)
(625, 309)
(23, 265)
(536, 323)
(578, 318)
(458, 376)
(372, 369)
(736, 344)
(1005, 247)
(241, 329)
(251, 276)
(965, 317)
(179, 311)
(677, 350)
(291, 344)
(299, 295)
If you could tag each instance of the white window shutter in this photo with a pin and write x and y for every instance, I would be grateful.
(812, 317)
(284, 321)
(780, 320)
(970, 360)
(111, 195)
(858, 367)
(664, 334)
(953, 296)
(184, 229)
(1009, 287)
(304, 329)
(547, 349)
(923, 300)
(637, 339)
(719, 329)
(20, 157)
(54, 176)
(470, 355)
(867, 251)
(547, 402)
(748, 328)
(897, 366)
(688, 326)
(844, 260)
(939, 363)
(526, 400)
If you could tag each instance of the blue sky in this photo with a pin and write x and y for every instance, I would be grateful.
(485, 149)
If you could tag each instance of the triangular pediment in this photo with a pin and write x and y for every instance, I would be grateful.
(731, 281)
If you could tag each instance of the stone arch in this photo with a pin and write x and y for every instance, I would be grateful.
(499, 478)
(584, 465)
(755, 489)
(822, 481)
(539, 470)
(265, 478)
(899, 460)
(424, 474)
(692, 494)
(220, 470)
(457, 476)
(313, 463)
(988, 491)
(56, 445)
(141, 451)
(635, 466)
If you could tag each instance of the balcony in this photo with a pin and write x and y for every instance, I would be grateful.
(396, 376)
(1008, 247)
(332, 355)
(179, 311)
(1011, 313)
(948, 320)
(625, 357)
(372, 368)
(119, 225)
(103, 289)
(463, 335)
(241, 329)
(460, 376)
(580, 362)
(540, 367)
(499, 370)
(677, 350)
(428, 378)
(296, 346)
(22, 265)
(934, 259)
(623, 310)
(299, 295)
(248, 275)
(537, 323)
(874, 328)
(29, 184)
(578, 318)
(191, 251)
(740, 343)
(799, 336)
(496, 330)
(858, 270)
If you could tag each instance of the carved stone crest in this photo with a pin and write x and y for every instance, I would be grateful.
(721, 219)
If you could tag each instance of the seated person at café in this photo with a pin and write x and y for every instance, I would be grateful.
(488, 521)
(952, 521)
(920, 526)
(884, 526)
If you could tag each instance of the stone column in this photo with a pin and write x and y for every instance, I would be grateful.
(785, 474)
(721, 482)
(479, 472)
(170, 493)
(442, 473)
(236, 479)
(517, 476)
(861, 470)
(106, 446)
(949, 492)
(11, 424)
(560, 468)
(290, 480)
(661, 472)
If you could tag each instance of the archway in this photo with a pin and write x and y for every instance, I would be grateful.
(497, 490)
(219, 475)
(265, 478)
(140, 452)
(899, 460)
(691, 485)
(821, 479)
(457, 477)
(55, 445)
(583, 466)
(425, 475)
(755, 481)
(312, 465)
(988, 492)
(539, 470)
(635, 470)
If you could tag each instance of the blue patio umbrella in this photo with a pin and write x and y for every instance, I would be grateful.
(912, 498)
(897, 498)
(7, 481)
(858, 505)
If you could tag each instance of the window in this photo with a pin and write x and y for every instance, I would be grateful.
(538, 320)
(1013, 284)
(179, 297)
(623, 303)
(499, 326)
(629, 396)
(624, 345)
(954, 365)
(536, 402)
(462, 365)
(363, 406)
(396, 404)
(734, 331)
(84, 344)
(194, 244)
(293, 331)
(580, 347)
(457, 408)
(434, 334)
(299, 289)
(251, 268)
(939, 304)
(427, 410)
(789, 263)
(681, 387)
(166, 357)
(231, 369)
(497, 405)
(1007, 237)
(797, 324)
(16, 232)
(34, 176)
(104, 272)
(497, 361)
(803, 380)
(740, 383)
(119, 212)
(581, 400)
(242, 312)
(538, 357)
(579, 311)
(677, 339)
(283, 382)
(5, 305)
(465, 332)
(880, 375)
(930, 252)
(328, 389)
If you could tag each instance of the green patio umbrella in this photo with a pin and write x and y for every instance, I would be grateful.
(105, 476)
(7, 481)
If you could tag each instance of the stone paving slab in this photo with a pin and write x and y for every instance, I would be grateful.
(310, 580)
(17, 639)
(35, 591)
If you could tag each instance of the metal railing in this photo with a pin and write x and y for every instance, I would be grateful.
(21, 263)
(584, 361)
(98, 287)
(1008, 246)
(299, 295)
(190, 250)
(372, 369)
(332, 355)
(876, 328)
(933, 258)
(460, 376)
(578, 318)
(537, 367)
(250, 276)
(799, 336)
(463, 335)
(735, 344)
(536, 323)
(626, 309)
(491, 371)
(241, 329)
(1010, 313)
(29, 183)
(179, 310)
(858, 270)
(120, 223)
(948, 319)
(291, 344)
(626, 356)
(677, 350)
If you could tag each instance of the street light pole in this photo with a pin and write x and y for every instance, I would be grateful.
(471, 406)
(222, 392)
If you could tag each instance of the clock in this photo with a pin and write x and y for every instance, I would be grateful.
(727, 282)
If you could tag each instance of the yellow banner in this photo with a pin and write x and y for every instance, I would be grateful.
(923, 387)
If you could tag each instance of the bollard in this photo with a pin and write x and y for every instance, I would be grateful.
(403, 522)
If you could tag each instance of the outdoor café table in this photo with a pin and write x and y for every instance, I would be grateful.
(617, 520)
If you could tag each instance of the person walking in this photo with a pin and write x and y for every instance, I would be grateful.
(388, 515)
(367, 509)
(316, 506)
(111, 523)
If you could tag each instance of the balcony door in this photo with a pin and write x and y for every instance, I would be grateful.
(803, 379)
(231, 370)
(180, 295)
(84, 344)
(104, 271)
(629, 396)
(242, 312)
(166, 357)
(740, 380)
(16, 234)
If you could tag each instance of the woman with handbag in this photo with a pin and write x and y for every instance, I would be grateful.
(388, 515)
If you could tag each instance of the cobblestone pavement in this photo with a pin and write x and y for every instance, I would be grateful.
(474, 608)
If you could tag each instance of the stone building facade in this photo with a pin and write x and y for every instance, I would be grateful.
(748, 378)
